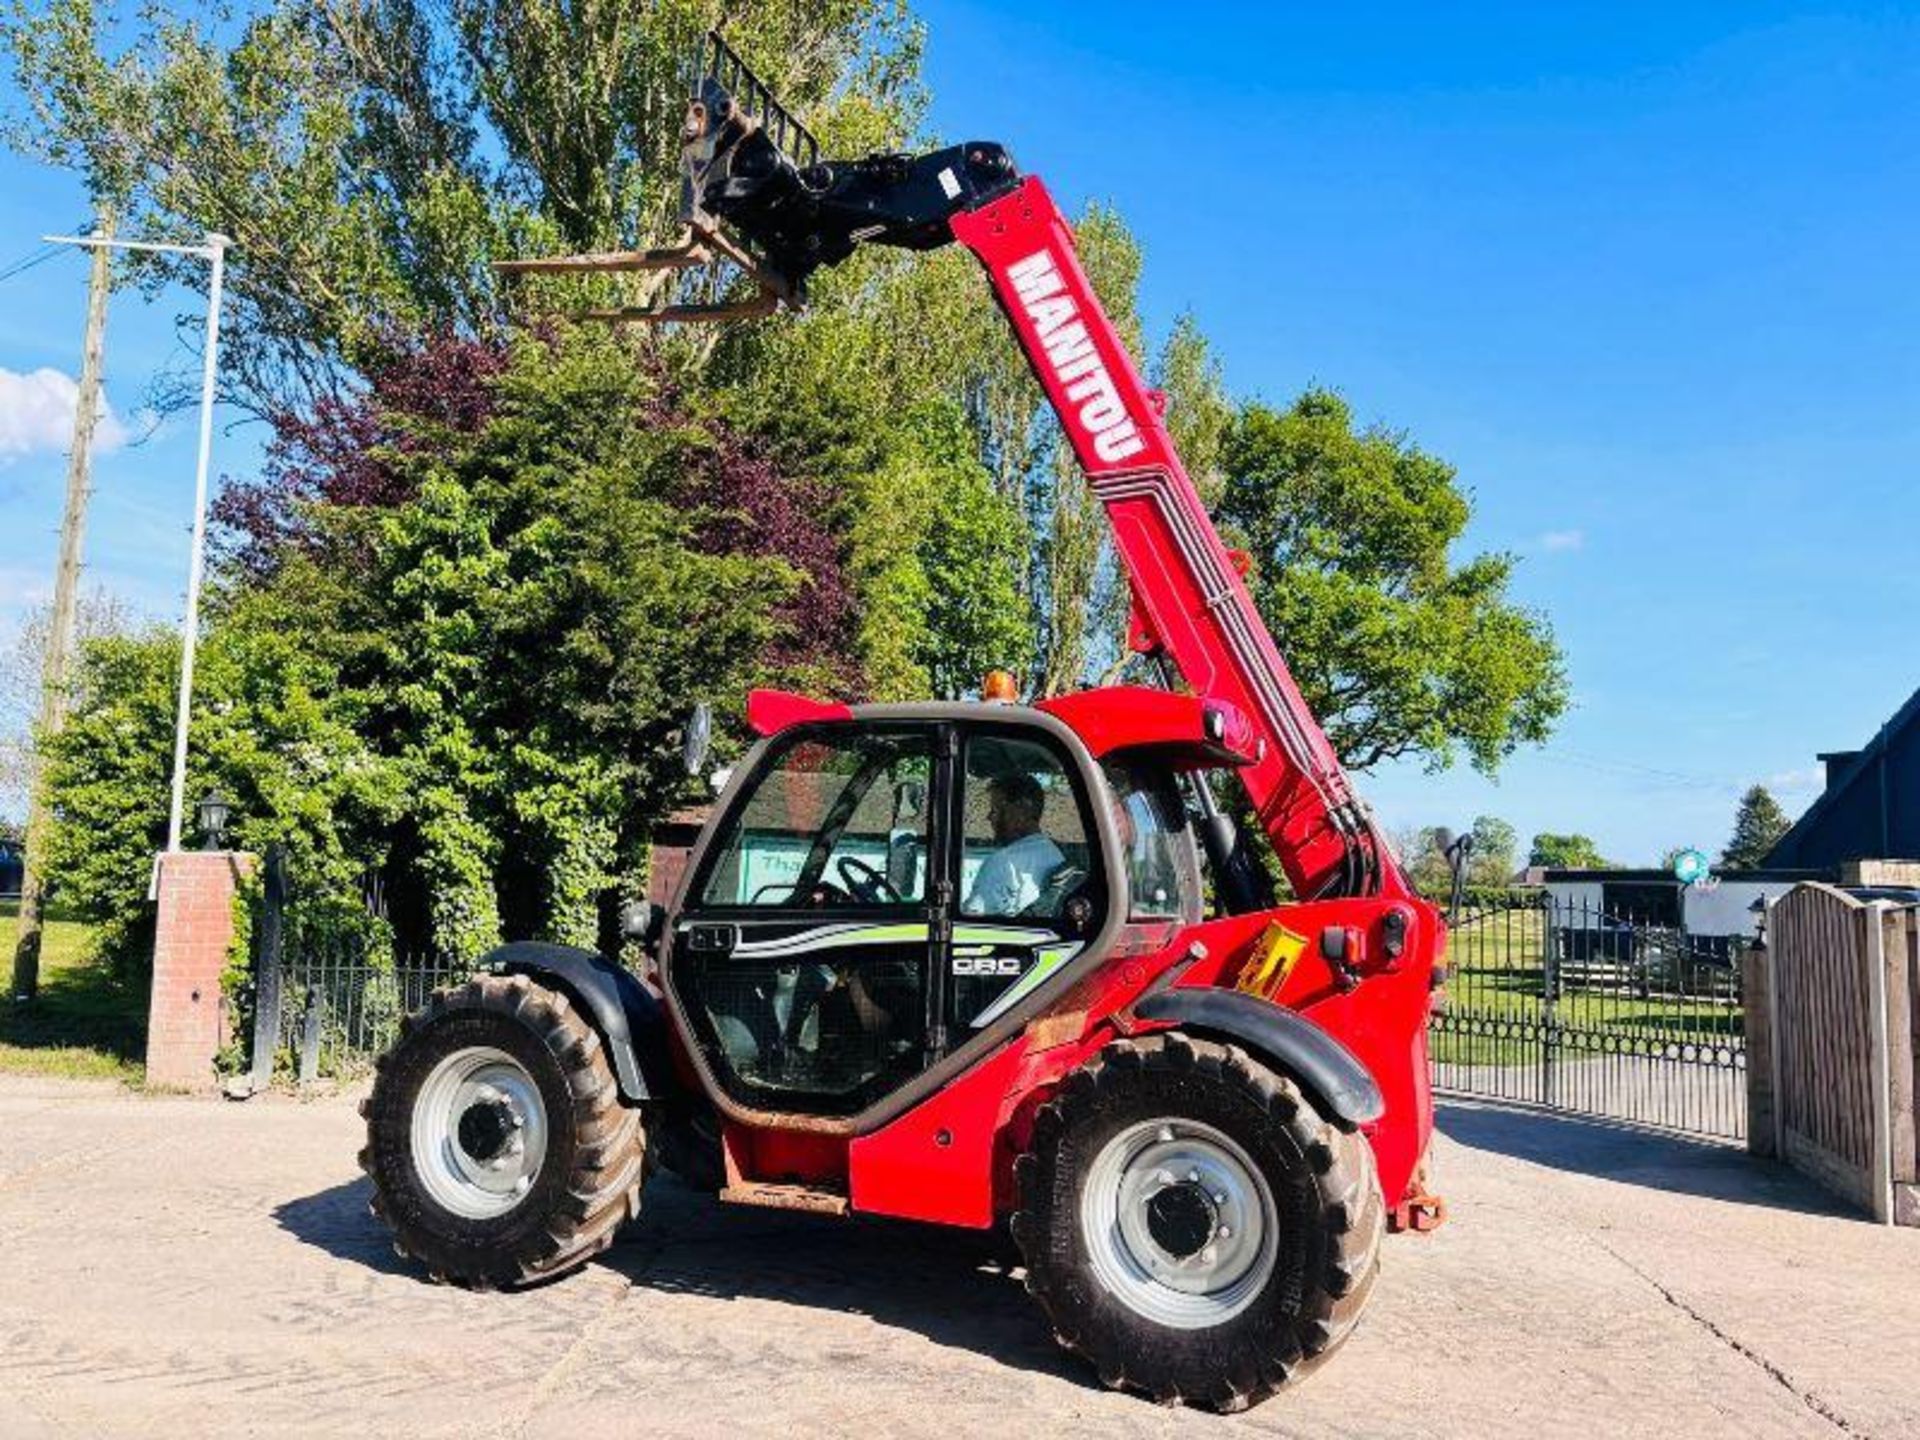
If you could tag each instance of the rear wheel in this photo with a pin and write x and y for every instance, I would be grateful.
(1193, 1225)
(496, 1141)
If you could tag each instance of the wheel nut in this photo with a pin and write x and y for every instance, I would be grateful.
(1193, 1177)
(1226, 1232)
(1220, 1197)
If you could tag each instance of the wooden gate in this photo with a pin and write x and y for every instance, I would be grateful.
(1842, 986)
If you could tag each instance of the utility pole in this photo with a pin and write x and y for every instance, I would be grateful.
(66, 586)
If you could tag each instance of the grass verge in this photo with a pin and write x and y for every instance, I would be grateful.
(83, 1024)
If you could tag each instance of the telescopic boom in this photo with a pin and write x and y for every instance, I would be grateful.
(753, 169)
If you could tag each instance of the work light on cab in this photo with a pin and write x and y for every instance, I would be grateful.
(1000, 688)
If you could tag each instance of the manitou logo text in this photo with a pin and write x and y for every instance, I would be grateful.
(1075, 361)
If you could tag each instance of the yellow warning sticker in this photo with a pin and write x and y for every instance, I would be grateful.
(1271, 961)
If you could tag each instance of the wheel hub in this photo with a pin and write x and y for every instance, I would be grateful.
(1181, 1219)
(1179, 1222)
(479, 1132)
(489, 1129)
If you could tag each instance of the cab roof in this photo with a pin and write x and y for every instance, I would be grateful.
(1189, 731)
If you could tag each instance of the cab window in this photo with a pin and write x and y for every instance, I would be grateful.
(1025, 844)
(1157, 850)
(835, 820)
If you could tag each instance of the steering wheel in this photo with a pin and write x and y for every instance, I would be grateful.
(868, 885)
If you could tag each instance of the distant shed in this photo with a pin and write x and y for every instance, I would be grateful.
(1655, 897)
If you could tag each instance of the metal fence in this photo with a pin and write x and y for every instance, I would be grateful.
(327, 997)
(1567, 1006)
(339, 1008)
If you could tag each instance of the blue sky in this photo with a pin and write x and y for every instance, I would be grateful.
(1645, 274)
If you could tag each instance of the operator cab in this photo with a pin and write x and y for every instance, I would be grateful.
(891, 889)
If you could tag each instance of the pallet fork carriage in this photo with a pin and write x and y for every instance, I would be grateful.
(951, 962)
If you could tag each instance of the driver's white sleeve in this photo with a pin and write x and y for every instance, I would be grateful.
(996, 889)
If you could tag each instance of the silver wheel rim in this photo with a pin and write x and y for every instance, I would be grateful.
(1179, 1223)
(479, 1132)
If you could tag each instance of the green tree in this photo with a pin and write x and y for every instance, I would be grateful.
(272, 730)
(1423, 853)
(1566, 852)
(843, 394)
(472, 681)
(1496, 851)
(1398, 649)
(371, 158)
(528, 627)
(98, 615)
(1757, 827)
(1199, 411)
(972, 554)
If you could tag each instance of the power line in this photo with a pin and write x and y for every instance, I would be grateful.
(38, 257)
(28, 261)
(1651, 772)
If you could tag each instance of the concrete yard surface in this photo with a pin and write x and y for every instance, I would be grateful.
(192, 1267)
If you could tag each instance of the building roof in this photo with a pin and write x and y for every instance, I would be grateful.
(1764, 875)
(1847, 775)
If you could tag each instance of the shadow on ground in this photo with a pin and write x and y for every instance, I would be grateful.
(955, 1287)
(1632, 1156)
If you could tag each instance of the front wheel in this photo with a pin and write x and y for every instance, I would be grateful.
(499, 1150)
(1193, 1225)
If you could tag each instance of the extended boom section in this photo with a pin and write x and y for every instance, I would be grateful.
(1185, 585)
(1186, 589)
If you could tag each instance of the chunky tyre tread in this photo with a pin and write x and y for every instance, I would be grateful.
(607, 1166)
(1346, 1193)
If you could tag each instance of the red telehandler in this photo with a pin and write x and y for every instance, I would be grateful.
(954, 962)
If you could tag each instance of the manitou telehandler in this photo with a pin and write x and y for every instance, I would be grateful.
(955, 962)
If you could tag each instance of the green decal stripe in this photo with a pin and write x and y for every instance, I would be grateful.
(1000, 935)
(1052, 957)
(831, 937)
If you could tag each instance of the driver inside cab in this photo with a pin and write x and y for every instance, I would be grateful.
(1014, 876)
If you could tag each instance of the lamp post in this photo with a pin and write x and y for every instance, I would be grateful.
(213, 811)
(214, 251)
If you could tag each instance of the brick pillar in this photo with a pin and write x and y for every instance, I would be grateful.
(186, 1025)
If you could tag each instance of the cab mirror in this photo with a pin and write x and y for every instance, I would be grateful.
(903, 864)
(641, 920)
(695, 739)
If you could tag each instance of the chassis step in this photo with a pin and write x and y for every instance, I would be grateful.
(786, 1197)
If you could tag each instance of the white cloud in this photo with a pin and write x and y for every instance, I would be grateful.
(36, 415)
(1563, 540)
(1797, 782)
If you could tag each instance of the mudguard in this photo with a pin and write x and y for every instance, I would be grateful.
(631, 1023)
(1329, 1072)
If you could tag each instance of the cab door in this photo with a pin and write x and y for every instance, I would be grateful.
(802, 958)
(1030, 888)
